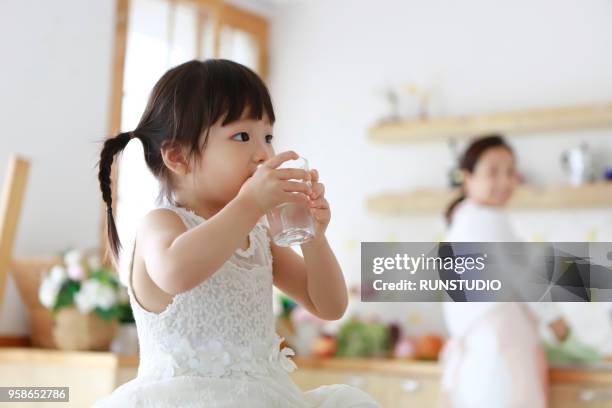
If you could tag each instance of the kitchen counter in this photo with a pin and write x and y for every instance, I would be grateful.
(591, 373)
(399, 383)
(393, 382)
(601, 373)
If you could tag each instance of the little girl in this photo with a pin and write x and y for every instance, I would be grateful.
(202, 264)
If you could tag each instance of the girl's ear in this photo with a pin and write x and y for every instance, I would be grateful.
(174, 159)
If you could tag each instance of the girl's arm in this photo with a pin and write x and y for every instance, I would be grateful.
(178, 259)
(315, 281)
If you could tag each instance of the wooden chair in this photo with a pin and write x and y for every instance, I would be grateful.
(25, 272)
(10, 209)
(90, 375)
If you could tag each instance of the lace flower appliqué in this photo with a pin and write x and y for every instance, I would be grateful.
(282, 357)
(212, 358)
(179, 357)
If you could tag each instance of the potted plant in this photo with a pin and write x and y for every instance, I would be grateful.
(84, 298)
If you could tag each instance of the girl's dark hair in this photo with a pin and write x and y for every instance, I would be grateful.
(468, 162)
(184, 103)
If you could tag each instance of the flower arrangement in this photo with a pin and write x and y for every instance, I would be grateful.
(86, 284)
(86, 302)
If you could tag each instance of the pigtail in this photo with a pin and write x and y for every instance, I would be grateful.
(182, 107)
(112, 146)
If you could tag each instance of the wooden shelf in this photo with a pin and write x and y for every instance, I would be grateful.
(427, 201)
(508, 123)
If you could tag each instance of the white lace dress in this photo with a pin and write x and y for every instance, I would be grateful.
(215, 345)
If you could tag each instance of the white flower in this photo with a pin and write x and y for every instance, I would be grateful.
(106, 297)
(51, 285)
(95, 294)
(183, 356)
(285, 362)
(58, 275)
(73, 257)
(210, 358)
(84, 301)
(165, 365)
(47, 293)
(243, 360)
(281, 357)
(76, 272)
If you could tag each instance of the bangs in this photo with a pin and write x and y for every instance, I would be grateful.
(234, 90)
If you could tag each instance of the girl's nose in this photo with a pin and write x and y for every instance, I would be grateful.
(263, 153)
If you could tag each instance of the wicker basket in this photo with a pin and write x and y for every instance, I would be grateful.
(76, 331)
(70, 330)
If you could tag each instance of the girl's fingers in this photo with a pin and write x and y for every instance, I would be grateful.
(315, 175)
(296, 174)
(320, 203)
(280, 158)
(318, 190)
(296, 186)
(320, 213)
(295, 198)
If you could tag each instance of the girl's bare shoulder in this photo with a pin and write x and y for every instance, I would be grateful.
(160, 223)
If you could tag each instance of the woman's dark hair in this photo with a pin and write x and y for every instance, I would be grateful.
(468, 162)
(184, 103)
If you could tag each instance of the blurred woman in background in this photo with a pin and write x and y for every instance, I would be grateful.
(494, 356)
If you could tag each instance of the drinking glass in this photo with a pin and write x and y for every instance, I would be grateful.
(292, 223)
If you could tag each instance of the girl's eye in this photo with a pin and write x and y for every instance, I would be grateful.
(269, 138)
(243, 135)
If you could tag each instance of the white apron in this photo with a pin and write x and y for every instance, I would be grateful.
(493, 357)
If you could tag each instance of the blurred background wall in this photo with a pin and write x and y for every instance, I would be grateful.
(332, 61)
(55, 81)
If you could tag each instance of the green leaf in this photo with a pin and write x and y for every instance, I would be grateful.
(125, 313)
(104, 276)
(65, 297)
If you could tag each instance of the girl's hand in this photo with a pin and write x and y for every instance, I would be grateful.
(319, 207)
(269, 186)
